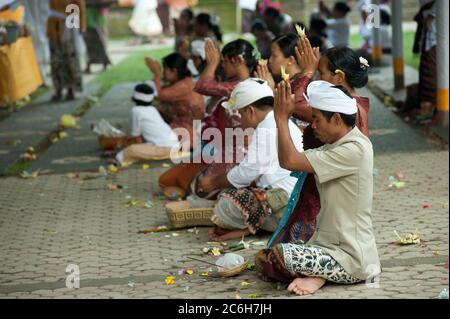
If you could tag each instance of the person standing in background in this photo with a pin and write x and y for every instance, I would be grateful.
(176, 7)
(164, 16)
(64, 60)
(426, 44)
(145, 22)
(96, 32)
(338, 24)
(248, 8)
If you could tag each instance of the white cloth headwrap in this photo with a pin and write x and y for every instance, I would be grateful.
(325, 96)
(143, 97)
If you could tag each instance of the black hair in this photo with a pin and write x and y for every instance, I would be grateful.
(272, 12)
(145, 89)
(287, 43)
(319, 25)
(242, 48)
(258, 25)
(316, 42)
(178, 62)
(346, 60)
(348, 119)
(205, 19)
(385, 17)
(342, 7)
(265, 103)
(189, 13)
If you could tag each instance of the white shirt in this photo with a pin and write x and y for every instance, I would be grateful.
(260, 164)
(146, 121)
(338, 31)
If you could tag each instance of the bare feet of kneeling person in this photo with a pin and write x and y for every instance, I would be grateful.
(306, 286)
(220, 234)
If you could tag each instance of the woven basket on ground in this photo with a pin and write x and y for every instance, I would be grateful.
(181, 216)
(233, 271)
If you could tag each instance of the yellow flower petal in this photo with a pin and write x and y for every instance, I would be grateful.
(245, 284)
(170, 280)
(145, 167)
(215, 251)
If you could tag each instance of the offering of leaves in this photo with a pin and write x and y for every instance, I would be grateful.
(158, 229)
(409, 239)
(256, 295)
(300, 31)
(113, 168)
(28, 175)
(130, 203)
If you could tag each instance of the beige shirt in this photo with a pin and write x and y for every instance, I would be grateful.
(343, 172)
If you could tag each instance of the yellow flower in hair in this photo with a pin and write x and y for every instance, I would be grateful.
(339, 71)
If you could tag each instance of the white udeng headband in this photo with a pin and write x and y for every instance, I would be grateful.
(144, 97)
(324, 96)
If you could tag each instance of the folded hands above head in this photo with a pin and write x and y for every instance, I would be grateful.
(262, 72)
(153, 66)
(307, 57)
(284, 101)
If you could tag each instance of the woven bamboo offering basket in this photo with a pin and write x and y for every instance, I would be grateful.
(181, 216)
(233, 271)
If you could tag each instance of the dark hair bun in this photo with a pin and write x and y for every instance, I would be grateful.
(346, 60)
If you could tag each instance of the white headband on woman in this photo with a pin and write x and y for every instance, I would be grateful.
(325, 96)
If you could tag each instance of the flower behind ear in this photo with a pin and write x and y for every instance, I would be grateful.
(364, 63)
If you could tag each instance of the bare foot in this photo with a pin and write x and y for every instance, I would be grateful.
(306, 286)
(212, 235)
(234, 234)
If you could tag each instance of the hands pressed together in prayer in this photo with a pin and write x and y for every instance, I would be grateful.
(153, 66)
(212, 54)
(307, 57)
(284, 101)
(262, 72)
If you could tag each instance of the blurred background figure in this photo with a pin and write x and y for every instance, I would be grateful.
(184, 32)
(318, 30)
(207, 26)
(64, 59)
(262, 5)
(338, 24)
(263, 38)
(145, 22)
(176, 7)
(97, 32)
(164, 16)
(365, 29)
(248, 8)
(273, 19)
